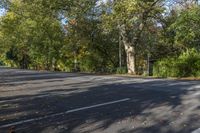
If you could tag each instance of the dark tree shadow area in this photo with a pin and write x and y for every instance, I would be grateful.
(155, 106)
(13, 77)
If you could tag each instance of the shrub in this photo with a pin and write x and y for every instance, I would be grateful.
(121, 70)
(186, 65)
(1, 63)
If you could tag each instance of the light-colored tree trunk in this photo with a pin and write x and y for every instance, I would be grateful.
(130, 51)
(130, 59)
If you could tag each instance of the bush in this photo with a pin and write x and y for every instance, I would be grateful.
(121, 70)
(1, 63)
(186, 65)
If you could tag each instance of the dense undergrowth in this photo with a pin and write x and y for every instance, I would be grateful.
(185, 65)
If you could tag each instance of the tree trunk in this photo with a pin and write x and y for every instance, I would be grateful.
(130, 51)
(130, 59)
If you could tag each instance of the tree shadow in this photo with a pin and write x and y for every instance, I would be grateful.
(13, 77)
(163, 106)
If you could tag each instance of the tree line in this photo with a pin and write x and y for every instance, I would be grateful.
(102, 36)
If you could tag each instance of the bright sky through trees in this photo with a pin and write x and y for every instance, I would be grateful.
(2, 11)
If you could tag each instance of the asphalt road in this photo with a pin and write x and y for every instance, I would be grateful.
(47, 102)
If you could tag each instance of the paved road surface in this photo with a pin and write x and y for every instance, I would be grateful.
(45, 102)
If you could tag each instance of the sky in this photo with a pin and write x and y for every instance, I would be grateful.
(2, 11)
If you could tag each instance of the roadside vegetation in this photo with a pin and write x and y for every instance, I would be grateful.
(185, 65)
(104, 36)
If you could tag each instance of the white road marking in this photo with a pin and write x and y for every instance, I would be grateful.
(64, 113)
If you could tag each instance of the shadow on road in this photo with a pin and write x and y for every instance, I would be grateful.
(156, 106)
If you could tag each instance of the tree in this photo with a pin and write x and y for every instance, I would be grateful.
(187, 28)
(131, 17)
(30, 28)
(86, 35)
(94, 49)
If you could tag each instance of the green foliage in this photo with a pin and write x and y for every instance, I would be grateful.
(185, 65)
(121, 70)
(32, 35)
(187, 28)
(1, 63)
(81, 34)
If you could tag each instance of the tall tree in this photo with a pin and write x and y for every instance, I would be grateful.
(31, 27)
(131, 17)
(187, 27)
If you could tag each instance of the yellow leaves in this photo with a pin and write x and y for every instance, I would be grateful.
(10, 16)
(30, 23)
(131, 6)
(127, 7)
(17, 3)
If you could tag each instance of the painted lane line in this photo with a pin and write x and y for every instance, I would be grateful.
(64, 113)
